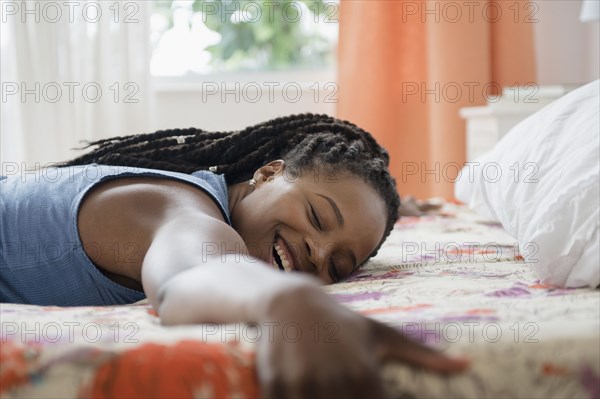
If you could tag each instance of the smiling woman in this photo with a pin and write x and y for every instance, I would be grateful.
(299, 223)
(307, 172)
(198, 221)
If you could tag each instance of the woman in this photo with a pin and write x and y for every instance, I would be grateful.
(203, 225)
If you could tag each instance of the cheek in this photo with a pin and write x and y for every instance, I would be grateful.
(255, 229)
(267, 208)
(273, 202)
(255, 215)
(369, 230)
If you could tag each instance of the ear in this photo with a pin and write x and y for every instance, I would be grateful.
(268, 171)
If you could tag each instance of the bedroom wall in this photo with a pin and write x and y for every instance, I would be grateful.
(246, 98)
(567, 50)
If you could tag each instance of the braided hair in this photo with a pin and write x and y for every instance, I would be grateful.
(306, 142)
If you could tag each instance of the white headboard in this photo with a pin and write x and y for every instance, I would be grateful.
(488, 124)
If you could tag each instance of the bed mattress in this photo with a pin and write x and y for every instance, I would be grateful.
(453, 280)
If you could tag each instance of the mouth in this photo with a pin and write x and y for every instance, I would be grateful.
(282, 257)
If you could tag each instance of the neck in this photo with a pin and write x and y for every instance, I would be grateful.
(236, 193)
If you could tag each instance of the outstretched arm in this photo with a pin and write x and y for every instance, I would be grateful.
(197, 269)
(192, 275)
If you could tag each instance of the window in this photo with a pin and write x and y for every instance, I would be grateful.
(208, 36)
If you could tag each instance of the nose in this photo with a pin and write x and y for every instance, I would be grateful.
(318, 253)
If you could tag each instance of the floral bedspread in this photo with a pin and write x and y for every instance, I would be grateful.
(453, 280)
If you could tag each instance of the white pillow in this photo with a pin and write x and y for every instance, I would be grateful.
(547, 192)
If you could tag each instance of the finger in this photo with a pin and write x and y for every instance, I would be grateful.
(332, 387)
(273, 389)
(309, 389)
(418, 355)
(396, 346)
(371, 387)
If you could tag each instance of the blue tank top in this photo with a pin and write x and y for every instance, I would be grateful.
(42, 260)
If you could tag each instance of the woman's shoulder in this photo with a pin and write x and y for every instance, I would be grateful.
(129, 211)
(80, 181)
(154, 194)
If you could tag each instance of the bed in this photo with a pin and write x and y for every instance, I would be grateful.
(454, 280)
(506, 274)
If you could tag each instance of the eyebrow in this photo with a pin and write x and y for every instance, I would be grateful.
(338, 214)
(340, 219)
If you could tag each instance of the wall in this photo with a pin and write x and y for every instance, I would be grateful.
(246, 99)
(567, 50)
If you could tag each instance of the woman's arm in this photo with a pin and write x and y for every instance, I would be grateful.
(196, 271)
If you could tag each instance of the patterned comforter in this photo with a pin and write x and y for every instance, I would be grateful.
(453, 280)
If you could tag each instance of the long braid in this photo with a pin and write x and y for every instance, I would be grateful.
(305, 141)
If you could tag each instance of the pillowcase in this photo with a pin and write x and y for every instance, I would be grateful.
(541, 181)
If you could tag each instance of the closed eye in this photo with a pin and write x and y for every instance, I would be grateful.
(333, 273)
(315, 219)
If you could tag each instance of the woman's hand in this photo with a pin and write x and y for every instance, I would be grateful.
(321, 349)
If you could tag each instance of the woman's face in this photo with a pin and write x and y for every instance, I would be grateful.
(317, 223)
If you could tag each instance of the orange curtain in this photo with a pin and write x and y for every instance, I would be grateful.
(406, 67)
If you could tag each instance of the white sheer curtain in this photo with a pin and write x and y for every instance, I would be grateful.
(72, 71)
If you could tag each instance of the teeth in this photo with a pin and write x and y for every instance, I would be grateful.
(284, 260)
